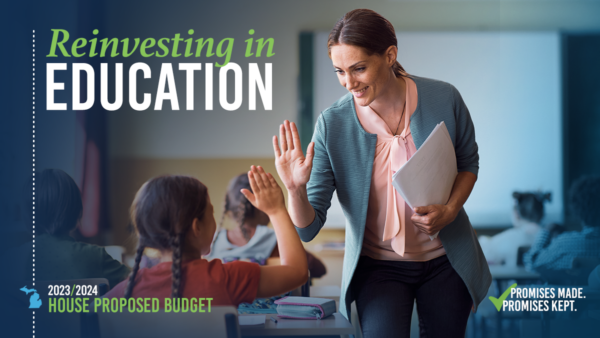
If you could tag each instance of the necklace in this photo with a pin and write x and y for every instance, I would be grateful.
(401, 116)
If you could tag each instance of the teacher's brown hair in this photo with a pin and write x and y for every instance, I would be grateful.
(366, 29)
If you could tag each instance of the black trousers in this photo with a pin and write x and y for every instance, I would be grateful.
(385, 292)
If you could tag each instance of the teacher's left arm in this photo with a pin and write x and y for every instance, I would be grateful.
(435, 217)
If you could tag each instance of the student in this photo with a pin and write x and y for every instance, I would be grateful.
(527, 215)
(251, 239)
(174, 215)
(553, 250)
(58, 211)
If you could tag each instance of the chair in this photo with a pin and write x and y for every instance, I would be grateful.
(521, 254)
(304, 289)
(221, 322)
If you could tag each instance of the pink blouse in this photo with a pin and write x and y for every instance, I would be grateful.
(390, 233)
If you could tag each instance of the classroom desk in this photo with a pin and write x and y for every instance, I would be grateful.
(332, 326)
(502, 273)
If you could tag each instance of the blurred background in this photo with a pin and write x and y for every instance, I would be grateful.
(527, 70)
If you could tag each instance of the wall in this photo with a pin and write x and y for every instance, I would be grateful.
(510, 82)
(223, 134)
(147, 143)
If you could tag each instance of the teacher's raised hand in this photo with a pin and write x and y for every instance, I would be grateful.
(293, 168)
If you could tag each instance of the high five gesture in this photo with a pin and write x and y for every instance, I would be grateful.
(293, 168)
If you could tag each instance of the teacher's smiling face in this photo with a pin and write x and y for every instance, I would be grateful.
(365, 76)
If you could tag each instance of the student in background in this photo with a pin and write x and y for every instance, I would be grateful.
(527, 215)
(251, 239)
(554, 249)
(58, 211)
(174, 215)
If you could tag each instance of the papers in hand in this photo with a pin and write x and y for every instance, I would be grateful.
(428, 176)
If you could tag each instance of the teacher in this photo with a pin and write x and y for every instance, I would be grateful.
(357, 145)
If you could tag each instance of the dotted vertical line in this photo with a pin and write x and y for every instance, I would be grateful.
(33, 167)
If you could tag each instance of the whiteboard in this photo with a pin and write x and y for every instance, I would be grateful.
(510, 81)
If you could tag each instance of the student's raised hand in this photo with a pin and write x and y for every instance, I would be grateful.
(293, 168)
(266, 194)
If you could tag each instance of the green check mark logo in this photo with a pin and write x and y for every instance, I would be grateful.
(498, 301)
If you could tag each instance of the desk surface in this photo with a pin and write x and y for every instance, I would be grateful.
(332, 325)
(511, 272)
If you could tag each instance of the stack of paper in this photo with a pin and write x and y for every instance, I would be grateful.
(428, 176)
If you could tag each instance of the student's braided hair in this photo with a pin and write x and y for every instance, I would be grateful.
(237, 205)
(162, 212)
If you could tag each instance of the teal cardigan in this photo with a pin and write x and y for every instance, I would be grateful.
(343, 161)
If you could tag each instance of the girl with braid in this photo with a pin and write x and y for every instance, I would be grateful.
(174, 215)
(251, 239)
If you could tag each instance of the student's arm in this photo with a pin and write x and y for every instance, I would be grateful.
(267, 196)
(542, 239)
(546, 251)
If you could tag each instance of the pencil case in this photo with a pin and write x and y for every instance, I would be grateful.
(305, 307)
